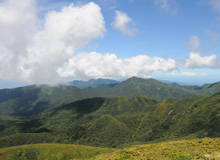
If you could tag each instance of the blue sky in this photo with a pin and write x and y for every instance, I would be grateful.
(50, 41)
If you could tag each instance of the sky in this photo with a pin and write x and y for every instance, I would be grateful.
(50, 41)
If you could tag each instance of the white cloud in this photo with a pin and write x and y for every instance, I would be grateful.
(121, 23)
(194, 43)
(167, 5)
(96, 65)
(17, 22)
(34, 56)
(195, 60)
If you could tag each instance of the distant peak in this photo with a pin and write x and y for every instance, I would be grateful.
(133, 78)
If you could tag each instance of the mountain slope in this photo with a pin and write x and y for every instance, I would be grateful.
(87, 109)
(30, 100)
(107, 121)
(148, 87)
(206, 89)
(93, 83)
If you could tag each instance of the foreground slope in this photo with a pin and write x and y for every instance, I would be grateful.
(206, 149)
(51, 152)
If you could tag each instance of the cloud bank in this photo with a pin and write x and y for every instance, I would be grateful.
(96, 65)
(195, 60)
(34, 55)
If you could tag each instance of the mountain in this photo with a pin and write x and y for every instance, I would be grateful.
(93, 83)
(206, 89)
(119, 121)
(148, 87)
(34, 99)
(26, 101)
(30, 100)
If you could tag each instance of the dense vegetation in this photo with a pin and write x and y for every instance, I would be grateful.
(30, 100)
(136, 111)
(120, 121)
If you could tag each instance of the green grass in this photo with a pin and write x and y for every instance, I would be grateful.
(204, 149)
(51, 152)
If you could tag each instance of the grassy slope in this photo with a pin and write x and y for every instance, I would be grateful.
(51, 152)
(206, 149)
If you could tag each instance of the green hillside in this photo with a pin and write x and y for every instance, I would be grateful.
(148, 87)
(121, 121)
(106, 122)
(205, 149)
(34, 99)
(93, 83)
(87, 109)
(30, 100)
(206, 89)
(51, 152)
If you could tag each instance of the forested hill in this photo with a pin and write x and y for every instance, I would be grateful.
(26, 101)
(117, 122)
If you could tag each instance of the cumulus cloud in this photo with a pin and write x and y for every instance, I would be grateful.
(34, 56)
(195, 60)
(166, 5)
(121, 23)
(96, 65)
(17, 21)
